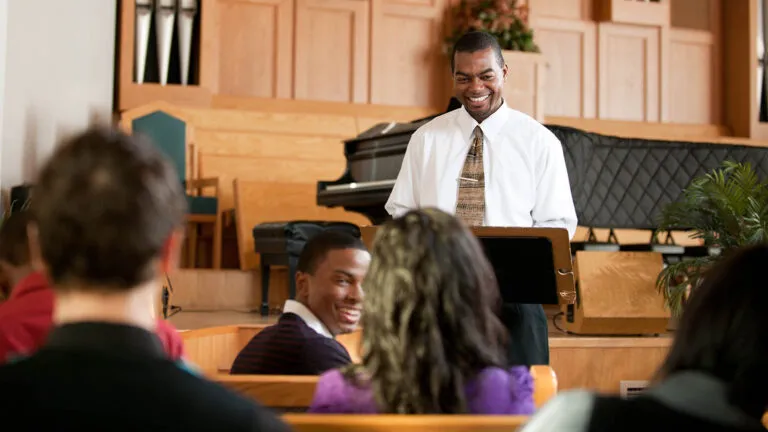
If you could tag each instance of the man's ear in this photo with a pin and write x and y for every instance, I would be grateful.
(505, 71)
(302, 285)
(36, 260)
(169, 256)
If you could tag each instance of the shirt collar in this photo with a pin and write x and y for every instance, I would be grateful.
(112, 338)
(294, 307)
(33, 282)
(490, 126)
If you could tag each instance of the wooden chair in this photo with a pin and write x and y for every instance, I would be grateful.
(402, 423)
(292, 392)
(174, 138)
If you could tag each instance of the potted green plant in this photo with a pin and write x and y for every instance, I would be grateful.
(726, 208)
(508, 22)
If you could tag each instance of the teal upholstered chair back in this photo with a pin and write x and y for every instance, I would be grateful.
(169, 134)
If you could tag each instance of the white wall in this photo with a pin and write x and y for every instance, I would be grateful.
(3, 44)
(58, 72)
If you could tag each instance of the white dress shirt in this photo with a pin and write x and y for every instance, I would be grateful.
(292, 306)
(526, 182)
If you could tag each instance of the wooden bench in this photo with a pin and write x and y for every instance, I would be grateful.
(403, 423)
(290, 391)
(213, 349)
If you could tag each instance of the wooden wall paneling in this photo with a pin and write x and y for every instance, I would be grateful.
(247, 47)
(408, 66)
(716, 15)
(569, 47)
(656, 13)
(225, 290)
(693, 14)
(629, 72)
(305, 172)
(318, 124)
(382, 112)
(663, 71)
(692, 97)
(579, 10)
(740, 61)
(332, 50)
(600, 364)
(257, 202)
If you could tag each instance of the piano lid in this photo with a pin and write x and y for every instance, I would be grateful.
(373, 159)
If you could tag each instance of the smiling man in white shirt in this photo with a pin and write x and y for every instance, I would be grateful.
(491, 166)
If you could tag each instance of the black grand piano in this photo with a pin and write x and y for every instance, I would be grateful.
(373, 162)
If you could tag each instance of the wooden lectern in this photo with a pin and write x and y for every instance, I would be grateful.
(532, 265)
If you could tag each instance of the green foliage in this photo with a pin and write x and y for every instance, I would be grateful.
(504, 19)
(727, 208)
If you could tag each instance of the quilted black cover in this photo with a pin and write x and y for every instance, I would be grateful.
(625, 182)
(290, 237)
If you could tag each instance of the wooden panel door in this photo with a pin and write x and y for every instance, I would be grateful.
(568, 9)
(569, 48)
(332, 40)
(630, 70)
(247, 47)
(408, 66)
(692, 86)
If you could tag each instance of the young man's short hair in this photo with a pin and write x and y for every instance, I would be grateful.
(317, 247)
(105, 204)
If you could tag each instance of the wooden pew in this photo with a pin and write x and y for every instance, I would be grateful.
(289, 391)
(403, 423)
(213, 349)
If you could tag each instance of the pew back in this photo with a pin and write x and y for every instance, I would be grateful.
(213, 349)
(402, 423)
(288, 391)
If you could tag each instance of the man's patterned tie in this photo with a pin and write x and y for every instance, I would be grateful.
(470, 204)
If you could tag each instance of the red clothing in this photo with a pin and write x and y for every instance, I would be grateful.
(26, 318)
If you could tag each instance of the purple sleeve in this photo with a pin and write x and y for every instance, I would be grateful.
(330, 394)
(522, 391)
(334, 394)
(496, 391)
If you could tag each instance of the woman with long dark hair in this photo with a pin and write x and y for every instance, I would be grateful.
(431, 340)
(715, 376)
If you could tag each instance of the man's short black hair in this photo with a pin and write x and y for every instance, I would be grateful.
(318, 246)
(14, 243)
(476, 41)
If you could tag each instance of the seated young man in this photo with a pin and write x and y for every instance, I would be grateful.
(25, 318)
(328, 302)
(109, 216)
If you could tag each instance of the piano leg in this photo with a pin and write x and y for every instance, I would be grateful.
(264, 288)
(293, 263)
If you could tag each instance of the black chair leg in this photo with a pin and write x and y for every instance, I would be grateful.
(264, 289)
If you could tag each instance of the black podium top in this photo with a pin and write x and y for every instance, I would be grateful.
(525, 268)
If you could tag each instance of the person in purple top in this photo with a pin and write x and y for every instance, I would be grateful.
(432, 342)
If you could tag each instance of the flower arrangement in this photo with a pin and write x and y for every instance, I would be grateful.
(504, 19)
